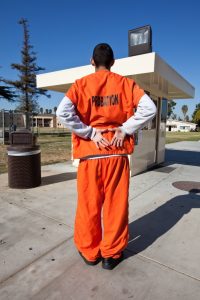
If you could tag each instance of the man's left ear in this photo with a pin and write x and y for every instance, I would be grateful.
(92, 62)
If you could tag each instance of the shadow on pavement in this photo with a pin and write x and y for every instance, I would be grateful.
(58, 178)
(183, 157)
(147, 229)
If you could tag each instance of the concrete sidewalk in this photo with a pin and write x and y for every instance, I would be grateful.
(38, 259)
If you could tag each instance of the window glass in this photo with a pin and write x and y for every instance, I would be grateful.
(164, 110)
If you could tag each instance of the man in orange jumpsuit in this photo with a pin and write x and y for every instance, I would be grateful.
(99, 110)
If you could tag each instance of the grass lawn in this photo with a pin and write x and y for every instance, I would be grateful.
(58, 148)
(3, 159)
(53, 149)
(172, 137)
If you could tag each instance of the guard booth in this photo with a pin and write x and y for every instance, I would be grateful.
(160, 81)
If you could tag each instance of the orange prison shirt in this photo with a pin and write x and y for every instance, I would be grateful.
(104, 100)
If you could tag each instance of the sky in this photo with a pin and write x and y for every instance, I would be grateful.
(64, 33)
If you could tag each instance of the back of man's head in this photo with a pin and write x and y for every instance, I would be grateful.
(103, 55)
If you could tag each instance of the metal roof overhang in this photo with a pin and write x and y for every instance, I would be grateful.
(150, 71)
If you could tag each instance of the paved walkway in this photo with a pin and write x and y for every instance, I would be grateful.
(38, 259)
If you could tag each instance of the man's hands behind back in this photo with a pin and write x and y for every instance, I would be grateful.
(117, 140)
(99, 140)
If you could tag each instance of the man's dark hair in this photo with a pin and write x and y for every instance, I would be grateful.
(103, 55)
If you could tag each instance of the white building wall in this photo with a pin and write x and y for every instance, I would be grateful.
(180, 126)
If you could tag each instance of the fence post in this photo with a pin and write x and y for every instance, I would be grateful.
(3, 126)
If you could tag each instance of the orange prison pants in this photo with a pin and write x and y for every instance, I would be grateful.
(101, 223)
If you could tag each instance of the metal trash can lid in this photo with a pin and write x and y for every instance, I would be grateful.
(23, 150)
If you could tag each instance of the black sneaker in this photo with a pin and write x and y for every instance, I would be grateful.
(89, 262)
(110, 263)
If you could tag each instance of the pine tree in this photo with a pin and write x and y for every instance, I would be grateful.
(196, 115)
(174, 116)
(26, 85)
(184, 110)
(197, 108)
(197, 118)
(6, 92)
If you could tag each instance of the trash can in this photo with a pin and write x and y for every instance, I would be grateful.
(24, 161)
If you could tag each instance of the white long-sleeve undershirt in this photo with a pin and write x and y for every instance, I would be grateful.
(146, 110)
(68, 117)
(66, 112)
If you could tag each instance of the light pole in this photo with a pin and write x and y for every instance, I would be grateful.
(140, 40)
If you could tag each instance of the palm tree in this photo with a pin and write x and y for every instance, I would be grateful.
(187, 119)
(184, 110)
(55, 109)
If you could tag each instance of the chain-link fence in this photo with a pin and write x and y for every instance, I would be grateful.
(54, 140)
(10, 121)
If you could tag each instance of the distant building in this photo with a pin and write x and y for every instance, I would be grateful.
(17, 119)
(46, 120)
(175, 125)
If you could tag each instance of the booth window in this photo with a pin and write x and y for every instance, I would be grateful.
(164, 110)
